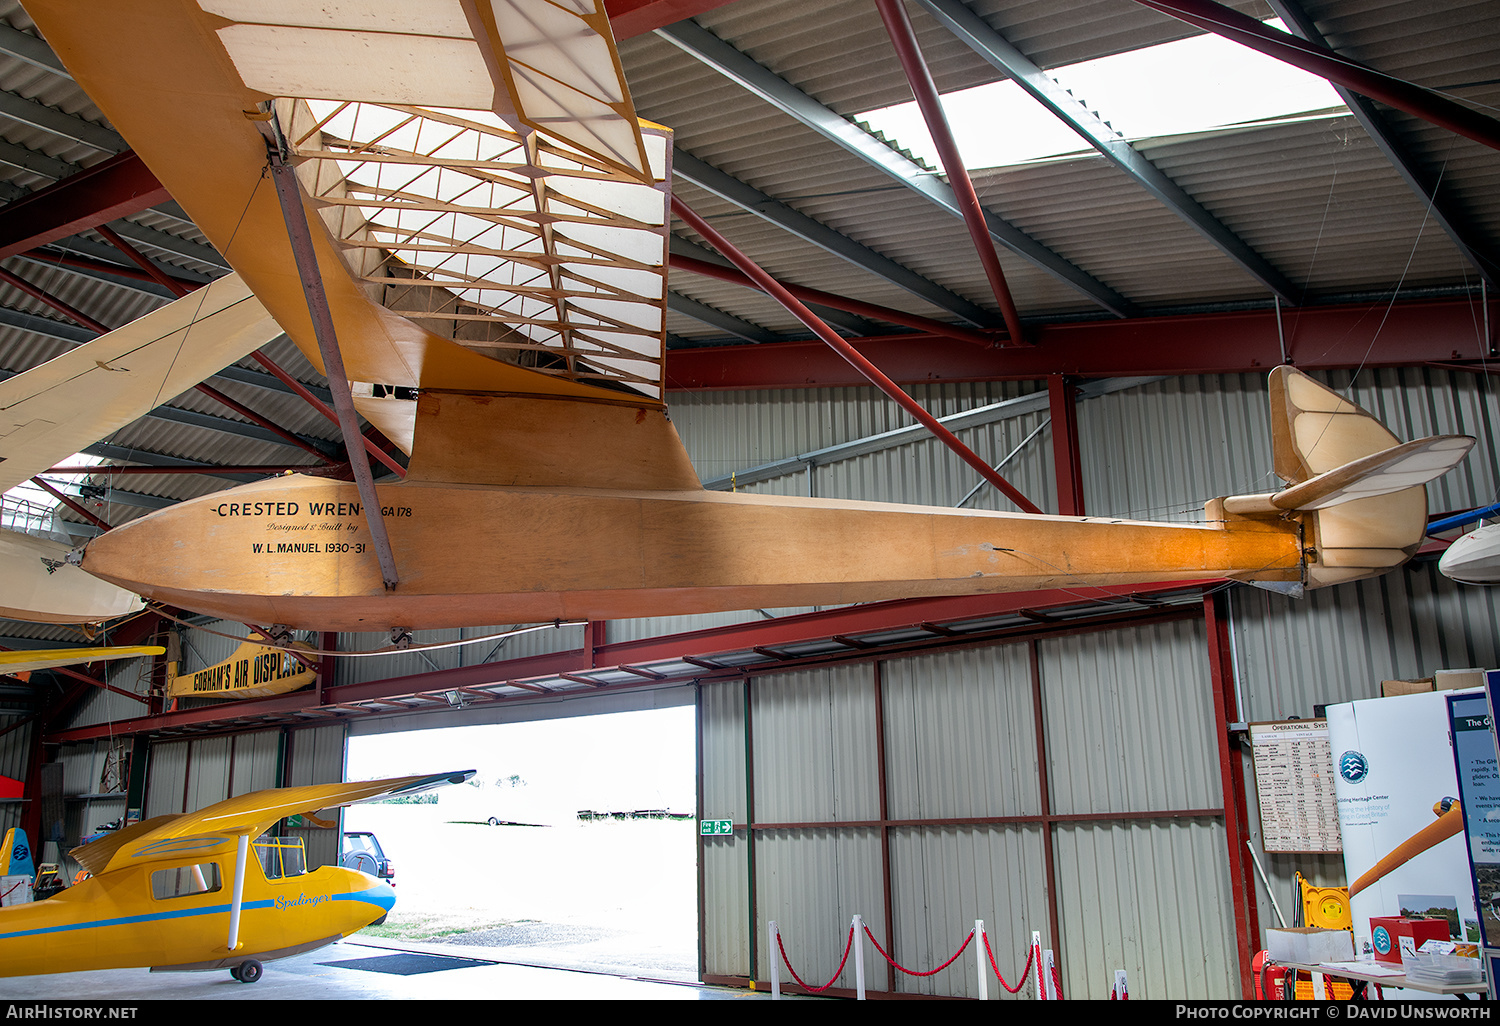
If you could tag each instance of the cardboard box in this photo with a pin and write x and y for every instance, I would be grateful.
(1309, 944)
(1386, 933)
(1391, 688)
(1455, 680)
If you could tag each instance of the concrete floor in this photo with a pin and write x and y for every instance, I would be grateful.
(309, 977)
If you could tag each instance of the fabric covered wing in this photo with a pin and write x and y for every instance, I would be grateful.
(52, 411)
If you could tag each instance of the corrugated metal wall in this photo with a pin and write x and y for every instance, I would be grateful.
(1127, 819)
(315, 755)
(15, 753)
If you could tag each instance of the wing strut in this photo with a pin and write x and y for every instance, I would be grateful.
(290, 195)
(241, 852)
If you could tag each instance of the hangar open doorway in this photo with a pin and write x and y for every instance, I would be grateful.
(573, 846)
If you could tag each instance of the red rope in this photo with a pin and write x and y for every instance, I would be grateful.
(911, 972)
(804, 986)
(1056, 983)
(1024, 972)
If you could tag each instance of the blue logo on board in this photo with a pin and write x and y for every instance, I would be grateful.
(1353, 767)
(1382, 940)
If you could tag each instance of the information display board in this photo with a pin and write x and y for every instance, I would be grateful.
(1294, 779)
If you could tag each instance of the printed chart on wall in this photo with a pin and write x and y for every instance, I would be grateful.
(1294, 779)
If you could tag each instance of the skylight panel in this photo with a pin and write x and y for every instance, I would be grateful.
(1192, 85)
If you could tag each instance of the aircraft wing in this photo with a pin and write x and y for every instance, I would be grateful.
(58, 408)
(488, 213)
(216, 828)
(49, 658)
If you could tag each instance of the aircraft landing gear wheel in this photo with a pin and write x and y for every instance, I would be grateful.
(247, 971)
(494, 821)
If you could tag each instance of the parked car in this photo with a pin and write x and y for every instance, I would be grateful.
(363, 852)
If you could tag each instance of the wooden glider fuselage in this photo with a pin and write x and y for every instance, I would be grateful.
(533, 496)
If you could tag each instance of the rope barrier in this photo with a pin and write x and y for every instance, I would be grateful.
(911, 972)
(816, 990)
(1056, 984)
(1024, 972)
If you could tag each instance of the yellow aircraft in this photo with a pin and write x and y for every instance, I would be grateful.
(16, 663)
(454, 200)
(183, 893)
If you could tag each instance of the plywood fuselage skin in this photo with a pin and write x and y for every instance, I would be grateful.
(295, 550)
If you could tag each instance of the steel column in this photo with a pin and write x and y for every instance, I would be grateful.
(1062, 397)
(904, 39)
(1232, 781)
(849, 353)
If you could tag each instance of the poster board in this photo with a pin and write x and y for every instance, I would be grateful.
(1294, 784)
(1396, 782)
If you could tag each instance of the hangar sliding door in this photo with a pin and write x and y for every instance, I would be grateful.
(1065, 784)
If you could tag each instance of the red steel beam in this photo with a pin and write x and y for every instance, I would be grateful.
(100, 267)
(94, 196)
(255, 418)
(904, 39)
(828, 299)
(68, 502)
(296, 386)
(1232, 784)
(868, 370)
(875, 616)
(1318, 338)
(140, 259)
(637, 17)
(1360, 78)
(43, 296)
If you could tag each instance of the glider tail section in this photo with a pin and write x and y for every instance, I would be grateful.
(1357, 491)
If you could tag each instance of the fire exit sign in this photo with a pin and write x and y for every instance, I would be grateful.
(715, 827)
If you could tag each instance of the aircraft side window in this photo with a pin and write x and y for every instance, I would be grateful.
(281, 857)
(185, 881)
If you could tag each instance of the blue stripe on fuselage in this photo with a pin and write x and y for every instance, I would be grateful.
(370, 897)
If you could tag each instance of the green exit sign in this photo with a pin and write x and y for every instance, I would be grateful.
(715, 827)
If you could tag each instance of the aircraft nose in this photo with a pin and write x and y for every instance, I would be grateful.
(383, 894)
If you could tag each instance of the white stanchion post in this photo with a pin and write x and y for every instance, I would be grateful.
(1036, 964)
(775, 955)
(859, 956)
(984, 979)
(1121, 991)
(1051, 982)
